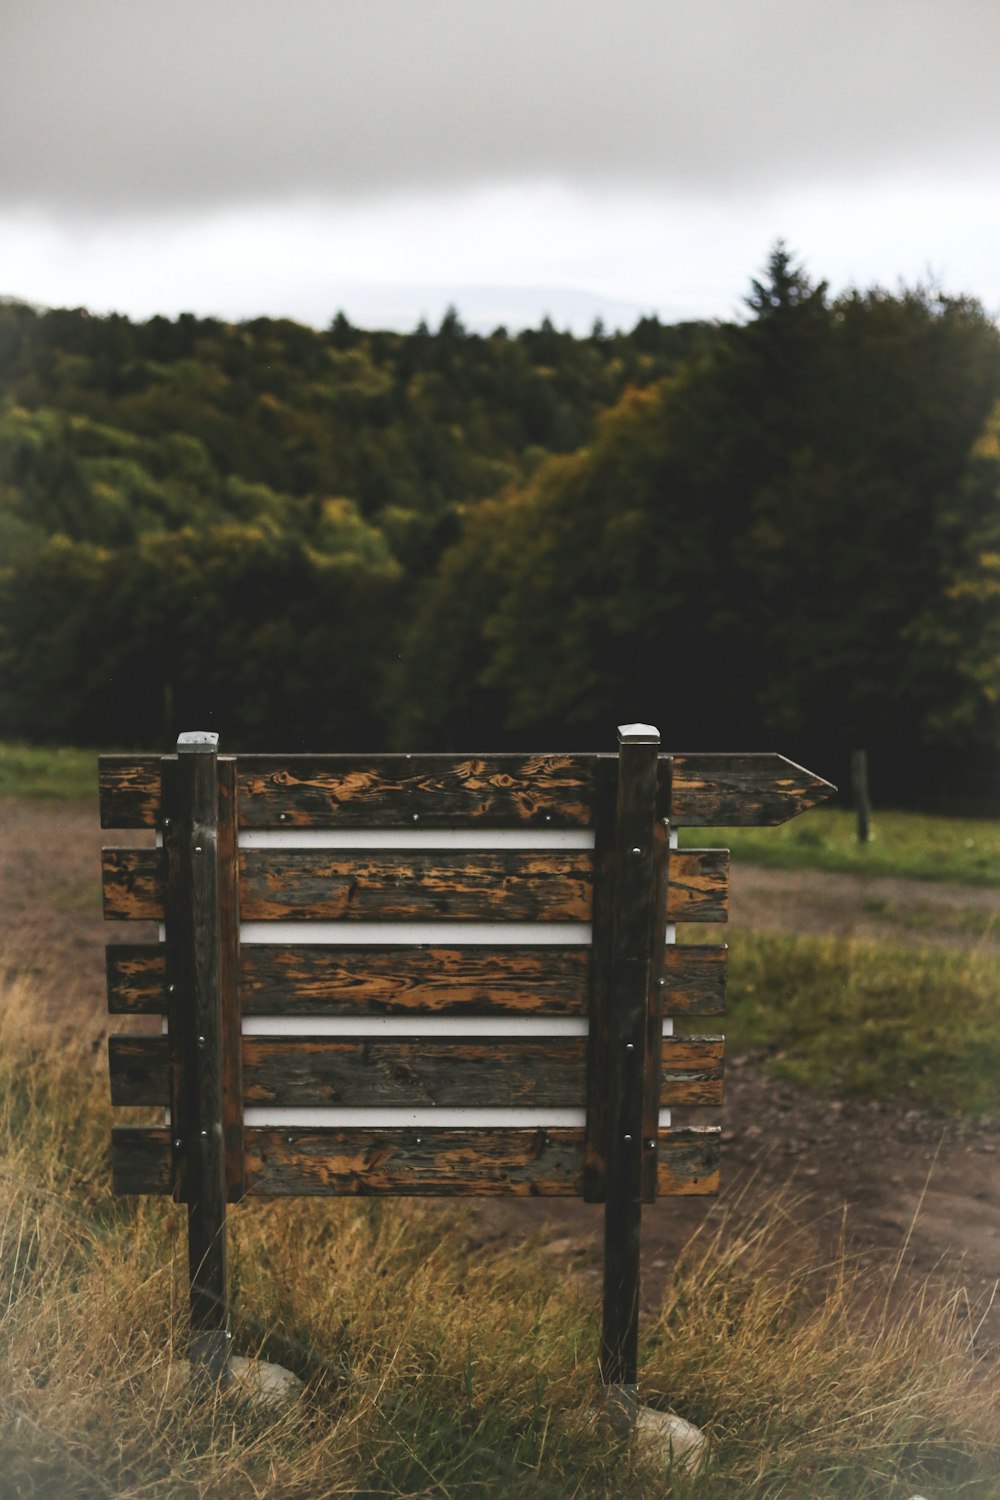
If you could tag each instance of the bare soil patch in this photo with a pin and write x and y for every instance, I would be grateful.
(896, 1182)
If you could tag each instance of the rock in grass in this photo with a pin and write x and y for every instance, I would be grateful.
(680, 1442)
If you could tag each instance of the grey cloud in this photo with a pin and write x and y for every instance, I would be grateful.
(136, 105)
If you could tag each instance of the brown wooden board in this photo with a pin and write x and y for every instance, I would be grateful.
(741, 791)
(500, 790)
(375, 791)
(365, 979)
(426, 885)
(513, 1163)
(399, 1072)
(695, 975)
(699, 885)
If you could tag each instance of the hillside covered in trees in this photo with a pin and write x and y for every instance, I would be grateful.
(782, 533)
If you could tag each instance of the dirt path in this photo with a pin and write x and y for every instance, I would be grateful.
(879, 1161)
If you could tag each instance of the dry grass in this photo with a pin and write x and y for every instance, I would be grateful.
(432, 1369)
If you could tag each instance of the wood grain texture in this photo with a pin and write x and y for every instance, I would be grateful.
(439, 1163)
(741, 791)
(427, 885)
(723, 790)
(695, 975)
(398, 1073)
(375, 791)
(364, 979)
(134, 884)
(699, 886)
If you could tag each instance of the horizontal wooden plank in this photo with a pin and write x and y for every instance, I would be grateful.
(375, 791)
(741, 791)
(695, 975)
(431, 1163)
(380, 791)
(426, 885)
(314, 979)
(137, 979)
(358, 980)
(398, 1073)
(134, 884)
(699, 885)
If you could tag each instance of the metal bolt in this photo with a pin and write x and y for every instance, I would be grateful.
(629, 1046)
(178, 1143)
(636, 851)
(201, 1041)
(290, 1140)
(650, 1145)
(197, 848)
(204, 1135)
(171, 989)
(548, 817)
(416, 817)
(167, 822)
(282, 817)
(628, 1140)
(662, 983)
(420, 1140)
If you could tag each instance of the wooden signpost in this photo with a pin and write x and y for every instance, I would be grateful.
(428, 974)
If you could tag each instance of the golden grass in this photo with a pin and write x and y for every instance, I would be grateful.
(433, 1368)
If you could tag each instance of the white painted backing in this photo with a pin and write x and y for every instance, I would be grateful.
(416, 838)
(453, 934)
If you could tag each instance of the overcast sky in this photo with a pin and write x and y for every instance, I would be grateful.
(515, 156)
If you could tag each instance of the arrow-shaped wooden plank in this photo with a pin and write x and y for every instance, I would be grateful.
(741, 791)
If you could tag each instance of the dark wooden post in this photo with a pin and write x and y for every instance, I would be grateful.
(631, 942)
(862, 801)
(195, 1022)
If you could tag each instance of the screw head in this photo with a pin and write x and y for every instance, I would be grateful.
(629, 1046)
(282, 817)
(416, 817)
(177, 1143)
(201, 1041)
(204, 1135)
(628, 1140)
(637, 851)
(197, 848)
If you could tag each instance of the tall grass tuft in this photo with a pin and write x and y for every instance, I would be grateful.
(433, 1368)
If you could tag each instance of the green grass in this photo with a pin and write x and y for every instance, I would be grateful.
(917, 1025)
(55, 773)
(435, 1366)
(914, 846)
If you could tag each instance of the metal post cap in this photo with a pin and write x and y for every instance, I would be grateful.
(195, 740)
(638, 734)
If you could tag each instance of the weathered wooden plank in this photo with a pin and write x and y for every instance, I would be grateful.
(695, 975)
(398, 1072)
(137, 979)
(313, 979)
(129, 791)
(134, 884)
(375, 791)
(432, 1163)
(688, 1161)
(362, 979)
(699, 886)
(741, 791)
(723, 790)
(433, 884)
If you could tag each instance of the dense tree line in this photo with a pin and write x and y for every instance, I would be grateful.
(782, 532)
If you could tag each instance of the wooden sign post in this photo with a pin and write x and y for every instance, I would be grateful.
(428, 974)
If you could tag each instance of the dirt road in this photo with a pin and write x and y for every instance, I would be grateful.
(879, 1161)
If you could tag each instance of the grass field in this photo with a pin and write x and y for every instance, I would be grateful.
(912, 846)
(433, 1368)
(916, 1025)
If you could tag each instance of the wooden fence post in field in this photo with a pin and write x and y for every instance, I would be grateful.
(626, 996)
(195, 961)
(862, 800)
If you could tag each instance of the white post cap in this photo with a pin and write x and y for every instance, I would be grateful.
(638, 734)
(197, 739)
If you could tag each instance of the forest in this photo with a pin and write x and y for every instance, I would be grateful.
(777, 533)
